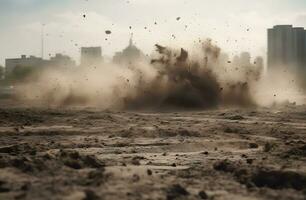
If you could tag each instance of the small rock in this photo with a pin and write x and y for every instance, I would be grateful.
(74, 164)
(250, 161)
(135, 161)
(135, 178)
(224, 165)
(3, 187)
(268, 147)
(176, 191)
(25, 186)
(149, 172)
(244, 156)
(203, 195)
(92, 161)
(90, 195)
(236, 117)
(253, 146)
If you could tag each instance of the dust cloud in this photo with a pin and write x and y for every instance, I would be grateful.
(199, 78)
(280, 87)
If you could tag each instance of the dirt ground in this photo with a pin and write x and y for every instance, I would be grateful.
(88, 154)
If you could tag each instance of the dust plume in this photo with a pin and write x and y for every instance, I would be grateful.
(279, 87)
(194, 81)
(199, 78)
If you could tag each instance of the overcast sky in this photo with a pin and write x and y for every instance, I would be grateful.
(236, 25)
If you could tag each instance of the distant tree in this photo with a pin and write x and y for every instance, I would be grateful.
(2, 70)
(21, 73)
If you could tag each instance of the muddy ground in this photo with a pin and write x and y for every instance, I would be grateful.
(90, 154)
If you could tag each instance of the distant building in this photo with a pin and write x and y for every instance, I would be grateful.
(32, 61)
(259, 66)
(91, 56)
(223, 58)
(259, 63)
(287, 48)
(35, 62)
(60, 60)
(245, 59)
(129, 55)
(253, 68)
(236, 61)
(1, 72)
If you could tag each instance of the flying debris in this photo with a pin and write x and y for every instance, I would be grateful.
(108, 32)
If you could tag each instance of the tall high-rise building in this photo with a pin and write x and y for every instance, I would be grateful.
(305, 48)
(287, 48)
(299, 50)
(91, 56)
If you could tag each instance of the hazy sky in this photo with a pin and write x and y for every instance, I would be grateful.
(237, 25)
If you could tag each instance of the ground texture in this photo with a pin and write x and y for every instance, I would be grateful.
(89, 154)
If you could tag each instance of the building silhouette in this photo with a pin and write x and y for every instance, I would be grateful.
(128, 55)
(287, 48)
(58, 60)
(259, 63)
(245, 59)
(91, 56)
(23, 61)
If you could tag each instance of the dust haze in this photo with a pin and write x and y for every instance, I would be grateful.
(172, 77)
